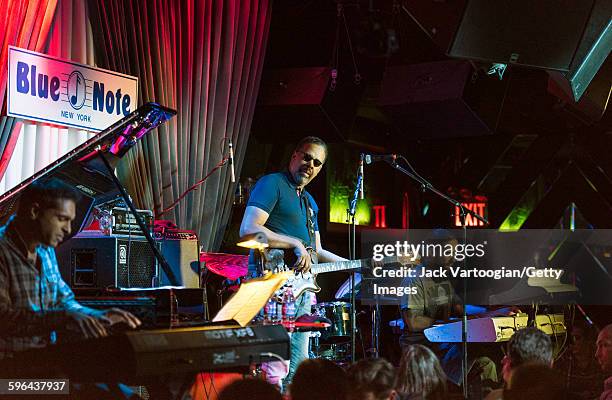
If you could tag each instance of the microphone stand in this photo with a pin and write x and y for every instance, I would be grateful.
(463, 212)
(352, 255)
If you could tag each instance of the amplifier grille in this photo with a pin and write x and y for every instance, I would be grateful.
(136, 264)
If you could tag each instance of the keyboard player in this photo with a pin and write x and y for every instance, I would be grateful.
(435, 300)
(36, 305)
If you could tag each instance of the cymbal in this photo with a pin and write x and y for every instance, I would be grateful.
(344, 291)
(230, 266)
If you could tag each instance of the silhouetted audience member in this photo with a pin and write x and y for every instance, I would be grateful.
(319, 379)
(420, 375)
(372, 379)
(535, 381)
(528, 345)
(583, 377)
(604, 358)
(250, 388)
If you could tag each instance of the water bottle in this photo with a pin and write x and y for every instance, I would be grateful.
(270, 312)
(174, 314)
(289, 309)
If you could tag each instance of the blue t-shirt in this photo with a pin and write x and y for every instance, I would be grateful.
(276, 194)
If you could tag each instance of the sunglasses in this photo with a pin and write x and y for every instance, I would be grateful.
(307, 158)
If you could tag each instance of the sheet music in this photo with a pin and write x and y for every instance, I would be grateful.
(250, 298)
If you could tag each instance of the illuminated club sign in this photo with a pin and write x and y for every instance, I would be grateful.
(61, 92)
(478, 207)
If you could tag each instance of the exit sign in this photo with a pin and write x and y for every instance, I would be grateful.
(479, 208)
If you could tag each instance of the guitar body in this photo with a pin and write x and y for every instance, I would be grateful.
(301, 283)
(276, 263)
(279, 261)
(282, 261)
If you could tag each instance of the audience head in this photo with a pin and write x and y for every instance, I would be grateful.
(604, 349)
(529, 345)
(582, 343)
(250, 388)
(535, 381)
(420, 373)
(371, 379)
(319, 379)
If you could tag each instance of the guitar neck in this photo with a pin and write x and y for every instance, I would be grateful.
(336, 266)
(345, 265)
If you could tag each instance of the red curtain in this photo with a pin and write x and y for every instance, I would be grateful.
(203, 58)
(25, 24)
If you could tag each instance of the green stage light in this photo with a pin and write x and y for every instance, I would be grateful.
(339, 203)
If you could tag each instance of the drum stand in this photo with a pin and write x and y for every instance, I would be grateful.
(314, 345)
(376, 317)
(353, 254)
(463, 212)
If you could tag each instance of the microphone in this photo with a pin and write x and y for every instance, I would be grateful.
(370, 158)
(360, 173)
(231, 161)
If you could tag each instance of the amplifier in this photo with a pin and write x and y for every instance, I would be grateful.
(98, 261)
(124, 222)
(182, 251)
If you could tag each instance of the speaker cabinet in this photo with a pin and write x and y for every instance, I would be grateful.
(439, 99)
(182, 252)
(571, 36)
(98, 262)
(595, 98)
(298, 101)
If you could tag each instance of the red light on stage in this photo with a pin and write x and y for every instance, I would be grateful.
(405, 211)
(380, 216)
(479, 208)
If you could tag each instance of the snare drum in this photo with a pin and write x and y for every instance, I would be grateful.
(339, 313)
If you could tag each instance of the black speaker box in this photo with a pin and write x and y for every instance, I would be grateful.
(296, 102)
(594, 101)
(440, 99)
(572, 36)
(98, 262)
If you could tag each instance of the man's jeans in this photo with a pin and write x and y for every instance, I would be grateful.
(275, 370)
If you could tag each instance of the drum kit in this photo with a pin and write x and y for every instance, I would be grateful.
(332, 343)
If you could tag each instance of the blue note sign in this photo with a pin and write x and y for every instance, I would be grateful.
(61, 92)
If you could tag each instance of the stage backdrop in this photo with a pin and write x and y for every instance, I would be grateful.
(31, 146)
(203, 58)
(25, 24)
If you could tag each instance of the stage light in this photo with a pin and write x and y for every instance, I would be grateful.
(497, 69)
(258, 241)
(338, 204)
(425, 209)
